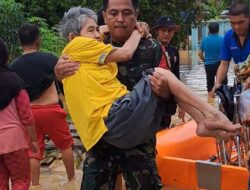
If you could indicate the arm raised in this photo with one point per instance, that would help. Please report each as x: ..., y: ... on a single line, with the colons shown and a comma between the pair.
x: 125, y: 52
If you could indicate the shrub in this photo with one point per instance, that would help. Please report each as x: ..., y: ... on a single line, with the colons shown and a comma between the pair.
x: 51, y: 41
x: 11, y: 17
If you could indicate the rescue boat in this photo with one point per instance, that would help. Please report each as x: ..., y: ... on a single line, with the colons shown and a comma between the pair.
x: 188, y: 162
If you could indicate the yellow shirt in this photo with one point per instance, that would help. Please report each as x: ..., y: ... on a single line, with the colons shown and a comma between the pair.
x: 91, y: 91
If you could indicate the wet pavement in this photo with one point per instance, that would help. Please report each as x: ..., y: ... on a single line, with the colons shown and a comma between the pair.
x: 54, y: 177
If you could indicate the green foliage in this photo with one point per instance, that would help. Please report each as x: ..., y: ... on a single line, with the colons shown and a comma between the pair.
x: 51, y: 41
x: 11, y: 16
x: 185, y: 12
x: 213, y: 9
x: 51, y: 10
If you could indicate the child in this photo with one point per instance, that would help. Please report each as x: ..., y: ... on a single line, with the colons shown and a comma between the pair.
x: 16, y: 121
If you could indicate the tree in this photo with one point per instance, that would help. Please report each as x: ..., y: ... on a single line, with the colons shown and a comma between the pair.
x: 11, y: 17
x: 51, y: 41
x: 51, y: 10
x: 185, y: 12
x: 213, y: 8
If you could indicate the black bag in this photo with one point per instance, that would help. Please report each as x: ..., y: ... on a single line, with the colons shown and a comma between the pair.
x: 226, y: 95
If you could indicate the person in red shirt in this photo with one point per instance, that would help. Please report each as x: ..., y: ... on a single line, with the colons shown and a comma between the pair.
x: 165, y: 28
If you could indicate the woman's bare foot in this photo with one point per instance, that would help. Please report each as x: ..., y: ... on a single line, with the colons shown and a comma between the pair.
x: 217, y: 120
x: 217, y: 125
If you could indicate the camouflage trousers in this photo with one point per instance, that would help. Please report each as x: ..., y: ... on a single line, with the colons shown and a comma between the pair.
x: 103, y: 162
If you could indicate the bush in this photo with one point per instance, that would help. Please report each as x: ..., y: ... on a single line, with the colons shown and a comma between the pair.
x: 51, y: 41
x: 11, y: 17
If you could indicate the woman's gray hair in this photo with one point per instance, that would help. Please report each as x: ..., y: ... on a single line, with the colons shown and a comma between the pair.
x: 74, y: 20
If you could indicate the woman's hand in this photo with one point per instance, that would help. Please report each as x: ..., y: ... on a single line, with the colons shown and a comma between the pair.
x: 143, y: 28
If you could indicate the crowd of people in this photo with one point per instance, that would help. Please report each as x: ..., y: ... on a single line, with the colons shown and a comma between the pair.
x: 108, y: 83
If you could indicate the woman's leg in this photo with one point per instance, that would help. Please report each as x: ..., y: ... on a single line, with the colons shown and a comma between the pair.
x: 19, y: 169
x: 213, y: 118
x: 201, y: 120
x: 4, y: 174
x: 68, y: 161
x: 179, y: 91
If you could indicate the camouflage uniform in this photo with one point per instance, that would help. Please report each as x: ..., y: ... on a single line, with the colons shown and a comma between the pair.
x: 137, y: 164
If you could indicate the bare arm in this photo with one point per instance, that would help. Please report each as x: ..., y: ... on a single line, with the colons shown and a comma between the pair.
x: 220, y: 75
x: 65, y: 67
x: 126, y: 52
x: 142, y: 27
x: 26, y: 117
x: 222, y: 72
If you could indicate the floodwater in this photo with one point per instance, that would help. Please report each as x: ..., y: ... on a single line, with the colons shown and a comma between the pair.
x: 53, y: 177
x: 194, y: 76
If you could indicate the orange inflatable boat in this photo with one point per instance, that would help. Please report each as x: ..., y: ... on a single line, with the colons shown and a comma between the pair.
x: 188, y: 162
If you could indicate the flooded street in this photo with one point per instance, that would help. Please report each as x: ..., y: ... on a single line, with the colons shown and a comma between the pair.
x: 53, y: 177
x: 194, y: 76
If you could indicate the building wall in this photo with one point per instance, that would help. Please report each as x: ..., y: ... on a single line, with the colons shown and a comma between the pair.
x: 201, y: 31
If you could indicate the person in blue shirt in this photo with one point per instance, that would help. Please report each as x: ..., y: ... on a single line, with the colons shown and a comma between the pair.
x: 209, y: 53
x: 236, y: 42
x: 236, y: 46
